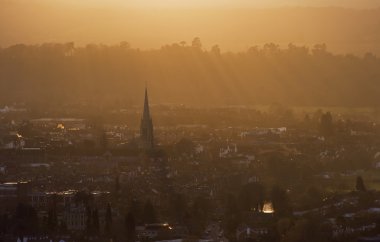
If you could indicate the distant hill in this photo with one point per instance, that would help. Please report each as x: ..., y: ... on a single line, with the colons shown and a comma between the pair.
x: 189, y: 74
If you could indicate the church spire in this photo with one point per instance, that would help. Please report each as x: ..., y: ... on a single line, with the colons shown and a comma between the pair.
x: 146, y: 127
x: 146, y: 114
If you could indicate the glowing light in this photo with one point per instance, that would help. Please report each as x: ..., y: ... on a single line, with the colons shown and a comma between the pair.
x: 268, y: 208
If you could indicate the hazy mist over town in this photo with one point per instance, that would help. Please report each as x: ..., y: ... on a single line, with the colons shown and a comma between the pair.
x: 189, y: 120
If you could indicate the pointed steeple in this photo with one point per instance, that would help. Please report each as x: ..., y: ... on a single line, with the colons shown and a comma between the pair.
x: 146, y: 114
x: 146, y: 127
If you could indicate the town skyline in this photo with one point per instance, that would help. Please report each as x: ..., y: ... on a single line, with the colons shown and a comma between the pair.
x: 189, y: 120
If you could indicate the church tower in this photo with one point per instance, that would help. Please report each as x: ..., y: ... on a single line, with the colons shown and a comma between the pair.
x: 146, y: 127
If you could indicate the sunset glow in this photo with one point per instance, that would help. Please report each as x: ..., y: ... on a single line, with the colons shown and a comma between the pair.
x: 234, y: 25
x: 190, y: 120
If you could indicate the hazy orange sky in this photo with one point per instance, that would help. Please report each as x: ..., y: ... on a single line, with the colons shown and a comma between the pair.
x: 233, y: 24
x: 214, y: 3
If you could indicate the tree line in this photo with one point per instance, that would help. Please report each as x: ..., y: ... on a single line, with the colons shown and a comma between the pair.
x: 187, y: 73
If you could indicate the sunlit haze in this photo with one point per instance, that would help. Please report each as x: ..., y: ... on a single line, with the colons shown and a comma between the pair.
x: 234, y: 25
x: 222, y: 3
x: 190, y: 120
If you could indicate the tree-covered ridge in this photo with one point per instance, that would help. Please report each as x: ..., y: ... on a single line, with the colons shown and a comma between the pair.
x: 187, y: 73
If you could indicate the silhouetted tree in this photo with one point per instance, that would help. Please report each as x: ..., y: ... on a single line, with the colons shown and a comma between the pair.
x: 320, y: 50
x: 290, y: 75
x: 215, y: 50
x: 124, y: 45
x: 196, y: 43
x: 360, y: 184
x: 182, y: 43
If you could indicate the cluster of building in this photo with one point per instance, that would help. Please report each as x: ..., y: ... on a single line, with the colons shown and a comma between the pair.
x: 68, y: 168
